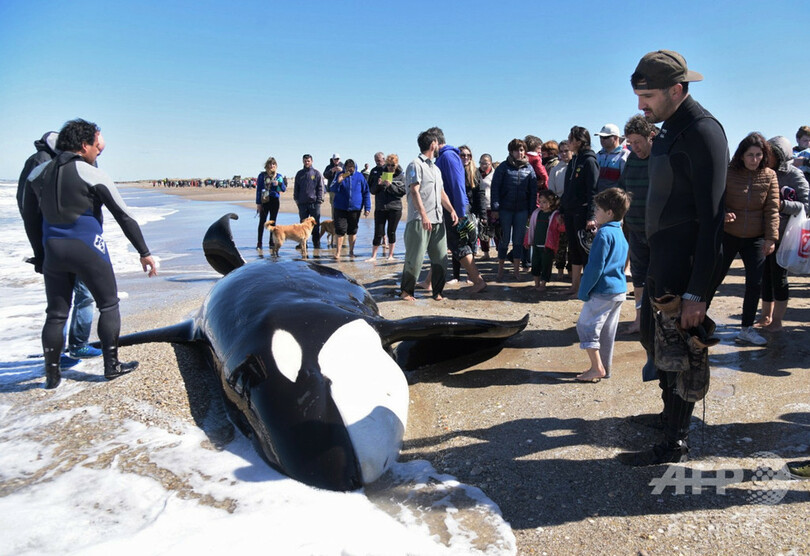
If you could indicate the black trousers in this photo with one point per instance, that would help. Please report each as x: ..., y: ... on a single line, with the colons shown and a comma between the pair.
x: 65, y: 260
x: 269, y: 209
x: 383, y: 218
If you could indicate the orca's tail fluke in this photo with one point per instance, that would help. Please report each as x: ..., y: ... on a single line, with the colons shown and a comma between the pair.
x: 425, y: 341
x: 181, y: 333
x: 219, y: 247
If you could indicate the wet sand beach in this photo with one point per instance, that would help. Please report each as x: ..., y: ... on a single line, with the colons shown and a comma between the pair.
x: 540, y: 445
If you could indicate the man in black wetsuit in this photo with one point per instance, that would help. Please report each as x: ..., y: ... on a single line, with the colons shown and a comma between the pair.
x: 684, y: 225
x: 81, y: 319
x: 63, y: 221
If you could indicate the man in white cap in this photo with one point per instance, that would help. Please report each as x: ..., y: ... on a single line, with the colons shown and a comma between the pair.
x: 611, y: 158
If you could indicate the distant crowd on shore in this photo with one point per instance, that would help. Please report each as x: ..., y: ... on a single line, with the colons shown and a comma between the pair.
x: 236, y: 181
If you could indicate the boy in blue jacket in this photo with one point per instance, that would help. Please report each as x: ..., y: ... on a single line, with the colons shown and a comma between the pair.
x: 603, y: 287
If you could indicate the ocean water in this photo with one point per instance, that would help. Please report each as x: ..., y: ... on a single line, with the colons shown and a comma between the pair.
x: 94, y: 505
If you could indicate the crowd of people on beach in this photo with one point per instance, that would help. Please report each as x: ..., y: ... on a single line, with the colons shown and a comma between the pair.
x: 536, y: 209
x: 666, y: 202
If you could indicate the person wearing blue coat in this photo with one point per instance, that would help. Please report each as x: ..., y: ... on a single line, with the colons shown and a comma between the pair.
x: 603, y: 287
x: 513, y: 197
x: 352, y: 196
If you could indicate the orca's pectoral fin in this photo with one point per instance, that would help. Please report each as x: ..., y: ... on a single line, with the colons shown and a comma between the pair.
x: 219, y: 248
x: 446, y: 327
x: 180, y: 333
x: 455, y: 341
x: 446, y: 355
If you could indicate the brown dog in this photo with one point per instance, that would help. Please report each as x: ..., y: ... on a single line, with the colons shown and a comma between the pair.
x: 296, y: 232
x: 328, y: 229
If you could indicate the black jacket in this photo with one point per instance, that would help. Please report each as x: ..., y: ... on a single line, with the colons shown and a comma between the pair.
x: 580, y: 185
x: 388, y: 198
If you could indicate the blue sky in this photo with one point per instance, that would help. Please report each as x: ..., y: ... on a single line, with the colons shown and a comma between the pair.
x: 206, y: 88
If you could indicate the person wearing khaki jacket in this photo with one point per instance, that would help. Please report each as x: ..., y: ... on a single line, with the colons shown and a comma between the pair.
x: 751, y: 224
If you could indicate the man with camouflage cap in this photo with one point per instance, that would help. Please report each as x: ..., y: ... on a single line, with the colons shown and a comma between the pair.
x: 684, y: 226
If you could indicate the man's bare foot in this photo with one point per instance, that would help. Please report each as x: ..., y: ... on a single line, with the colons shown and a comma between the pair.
x: 438, y: 297
x: 424, y: 286
x: 772, y: 327
x: 391, y: 257
x: 478, y: 288
x: 591, y: 375
x: 371, y: 260
x: 541, y: 287
x: 407, y: 297
x: 351, y: 254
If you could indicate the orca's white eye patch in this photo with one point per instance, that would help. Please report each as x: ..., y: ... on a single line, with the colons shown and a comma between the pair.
x: 287, y: 354
x: 370, y: 392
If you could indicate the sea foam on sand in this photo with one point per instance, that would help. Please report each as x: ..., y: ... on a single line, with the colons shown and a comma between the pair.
x: 72, y: 481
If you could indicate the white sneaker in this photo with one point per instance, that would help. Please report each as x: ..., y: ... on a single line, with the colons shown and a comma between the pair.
x: 748, y: 335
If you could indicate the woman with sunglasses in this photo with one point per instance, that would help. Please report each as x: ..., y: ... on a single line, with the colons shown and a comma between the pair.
x: 388, y: 191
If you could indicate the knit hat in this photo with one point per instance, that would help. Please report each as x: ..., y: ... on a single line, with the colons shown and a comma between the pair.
x: 662, y: 69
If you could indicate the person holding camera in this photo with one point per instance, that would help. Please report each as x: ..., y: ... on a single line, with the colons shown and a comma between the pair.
x: 269, y: 186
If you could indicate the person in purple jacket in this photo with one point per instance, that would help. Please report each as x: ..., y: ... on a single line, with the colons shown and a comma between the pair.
x: 461, y: 237
x: 603, y: 287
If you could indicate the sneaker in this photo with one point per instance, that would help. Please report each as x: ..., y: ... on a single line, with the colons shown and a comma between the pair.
x: 66, y: 362
x: 748, y: 335
x: 85, y: 352
x: 799, y: 469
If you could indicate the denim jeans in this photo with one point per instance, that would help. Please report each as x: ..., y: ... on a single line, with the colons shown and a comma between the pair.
x: 81, y: 319
x: 513, y: 227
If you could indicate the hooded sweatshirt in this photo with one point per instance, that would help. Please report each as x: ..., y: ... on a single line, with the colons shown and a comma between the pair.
x: 46, y: 150
x: 452, y: 169
x: 793, y: 187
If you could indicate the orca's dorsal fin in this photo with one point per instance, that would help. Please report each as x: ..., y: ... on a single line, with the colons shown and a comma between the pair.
x: 219, y: 248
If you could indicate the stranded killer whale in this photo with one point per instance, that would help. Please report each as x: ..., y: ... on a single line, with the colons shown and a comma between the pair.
x: 305, y: 361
